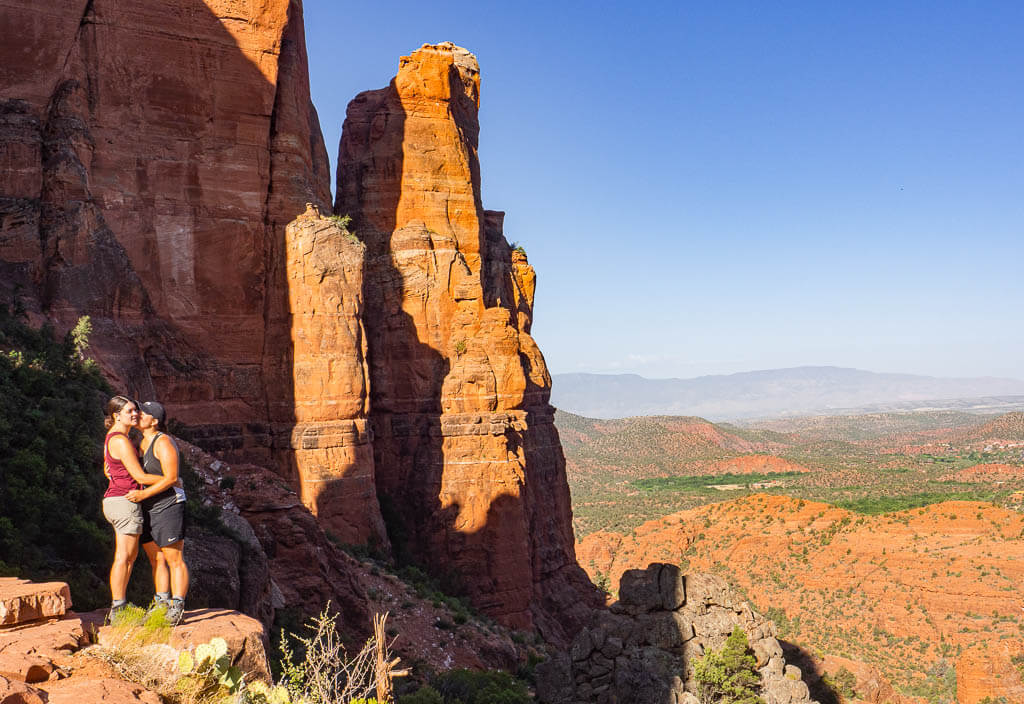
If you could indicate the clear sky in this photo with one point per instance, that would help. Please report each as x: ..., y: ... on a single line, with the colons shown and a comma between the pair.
x: 727, y: 186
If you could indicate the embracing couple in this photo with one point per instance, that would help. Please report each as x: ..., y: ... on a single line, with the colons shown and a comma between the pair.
x: 153, y: 516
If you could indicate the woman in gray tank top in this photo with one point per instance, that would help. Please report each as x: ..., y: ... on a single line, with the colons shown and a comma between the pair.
x: 163, y: 509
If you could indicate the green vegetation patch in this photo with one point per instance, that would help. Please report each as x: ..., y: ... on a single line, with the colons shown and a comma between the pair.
x: 874, y: 505
x: 462, y: 686
x: 705, y: 481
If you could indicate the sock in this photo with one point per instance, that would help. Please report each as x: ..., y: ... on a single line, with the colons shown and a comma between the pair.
x: 118, y: 602
x: 178, y: 600
x: 163, y: 596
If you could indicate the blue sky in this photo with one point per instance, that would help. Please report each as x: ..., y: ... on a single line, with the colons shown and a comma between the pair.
x: 721, y: 187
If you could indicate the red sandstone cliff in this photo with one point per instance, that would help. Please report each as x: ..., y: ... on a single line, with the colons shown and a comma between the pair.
x: 153, y: 155
x: 468, y: 461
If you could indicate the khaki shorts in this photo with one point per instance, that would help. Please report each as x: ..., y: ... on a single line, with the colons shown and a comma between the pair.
x: 124, y: 515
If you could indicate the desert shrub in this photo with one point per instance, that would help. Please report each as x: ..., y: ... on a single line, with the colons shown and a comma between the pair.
x: 479, y: 687
x: 326, y: 674
x: 431, y: 589
x: 424, y: 695
x: 843, y: 683
x: 729, y: 675
x: 137, y: 647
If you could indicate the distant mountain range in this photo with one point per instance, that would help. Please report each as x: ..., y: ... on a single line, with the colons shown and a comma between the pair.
x: 779, y: 392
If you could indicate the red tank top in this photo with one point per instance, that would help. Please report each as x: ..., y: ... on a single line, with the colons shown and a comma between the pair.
x: 121, y: 481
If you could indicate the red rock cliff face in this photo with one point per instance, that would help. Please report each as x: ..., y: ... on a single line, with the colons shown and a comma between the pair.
x: 468, y: 462
x: 152, y: 156
x: 155, y: 153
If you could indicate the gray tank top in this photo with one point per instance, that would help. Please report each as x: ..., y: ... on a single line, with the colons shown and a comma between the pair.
x: 167, y: 497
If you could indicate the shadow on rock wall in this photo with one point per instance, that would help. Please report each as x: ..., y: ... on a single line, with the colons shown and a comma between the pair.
x: 157, y: 152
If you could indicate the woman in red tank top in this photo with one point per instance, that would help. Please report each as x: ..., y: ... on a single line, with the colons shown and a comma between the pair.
x: 121, y: 465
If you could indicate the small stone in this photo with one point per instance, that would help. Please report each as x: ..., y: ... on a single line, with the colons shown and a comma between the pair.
x: 774, y: 667
x: 612, y: 647
x: 765, y: 649
x: 582, y: 647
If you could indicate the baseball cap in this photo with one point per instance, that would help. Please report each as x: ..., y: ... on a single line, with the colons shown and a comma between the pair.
x: 154, y: 409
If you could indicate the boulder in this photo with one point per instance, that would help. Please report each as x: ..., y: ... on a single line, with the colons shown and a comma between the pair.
x: 22, y: 601
x: 245, y: 637
x: 98, y: 691
x: 16, y: 692
x: 640, y: 589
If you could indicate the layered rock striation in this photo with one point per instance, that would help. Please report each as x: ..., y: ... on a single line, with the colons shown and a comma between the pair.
x: 468, y: 462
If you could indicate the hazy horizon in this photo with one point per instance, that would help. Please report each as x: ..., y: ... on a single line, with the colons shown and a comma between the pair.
x: 776, y: 369
x: 780, y: 392
x: 713, y: 189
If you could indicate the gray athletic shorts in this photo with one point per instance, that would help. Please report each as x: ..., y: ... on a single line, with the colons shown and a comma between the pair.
x: 124, y: 515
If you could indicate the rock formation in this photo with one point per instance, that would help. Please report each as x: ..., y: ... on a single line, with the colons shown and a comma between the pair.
x: 153, y: 154
x: 163, y: 172
x: 468, y: 464
x: 991, y: 671
x: 331, y: 452
x: 644, y: 648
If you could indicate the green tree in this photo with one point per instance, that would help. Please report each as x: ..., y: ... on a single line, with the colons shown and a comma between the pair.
x: 51, y: 478
x: 729, y: 675
x: 80, y: 336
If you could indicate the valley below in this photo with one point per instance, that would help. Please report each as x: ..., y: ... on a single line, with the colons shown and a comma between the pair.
x: 888, y: 548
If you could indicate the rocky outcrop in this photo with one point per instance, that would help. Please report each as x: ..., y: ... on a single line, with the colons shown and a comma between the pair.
x: 467, y: 459
x: 644, y: 648
x: 287, y: 559
x: 41, y: 655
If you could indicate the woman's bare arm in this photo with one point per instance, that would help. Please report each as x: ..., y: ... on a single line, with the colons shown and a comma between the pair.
x: 167, y: 453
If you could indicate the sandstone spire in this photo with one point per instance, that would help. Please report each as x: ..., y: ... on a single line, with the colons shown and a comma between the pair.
x: 468, y: 462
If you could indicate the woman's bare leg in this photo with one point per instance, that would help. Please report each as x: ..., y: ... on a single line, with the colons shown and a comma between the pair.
x: 158, y: 563
x: 173, y: 554
x: 126, y: 549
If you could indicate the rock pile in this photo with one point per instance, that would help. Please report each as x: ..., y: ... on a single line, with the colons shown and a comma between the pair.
x: 644, y: 648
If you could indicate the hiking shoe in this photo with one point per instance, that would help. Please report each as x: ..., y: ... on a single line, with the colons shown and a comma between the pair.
x: 175, y: 611
x: 114, y: 612
x: 156, y: 605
